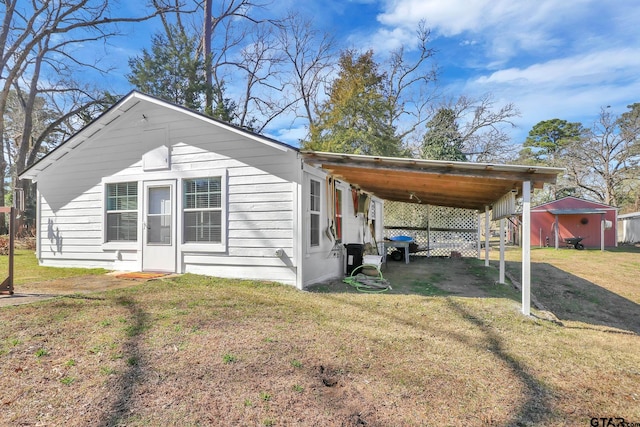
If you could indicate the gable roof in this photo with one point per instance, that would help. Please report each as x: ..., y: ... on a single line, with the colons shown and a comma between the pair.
x: 573, y: 203
x: 119, y: 109
x: 629, y: 215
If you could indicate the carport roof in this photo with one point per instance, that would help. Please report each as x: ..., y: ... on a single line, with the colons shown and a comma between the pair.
x: 436, y: 182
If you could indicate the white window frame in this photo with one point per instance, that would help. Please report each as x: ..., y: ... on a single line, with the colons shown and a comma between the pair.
x: 314, y: 212
x: 186, y: 210
x: 120, y: 244
x: 204, y: 246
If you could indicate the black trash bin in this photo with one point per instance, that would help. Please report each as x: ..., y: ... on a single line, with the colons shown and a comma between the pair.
x: 354, y: 256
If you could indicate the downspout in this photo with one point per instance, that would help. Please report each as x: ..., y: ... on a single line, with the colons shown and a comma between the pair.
x: 298, y: 243
x: 38, y: 224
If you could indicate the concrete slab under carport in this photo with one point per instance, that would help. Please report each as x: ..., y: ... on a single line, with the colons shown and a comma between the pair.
x: 467, y: 185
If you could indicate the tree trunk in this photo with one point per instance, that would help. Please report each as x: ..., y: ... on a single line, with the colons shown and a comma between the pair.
x: 208, y: 108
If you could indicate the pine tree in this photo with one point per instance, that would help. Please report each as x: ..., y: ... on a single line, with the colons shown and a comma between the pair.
x: 171, y: 71
x: 443, y: 140
x: 354, y: 117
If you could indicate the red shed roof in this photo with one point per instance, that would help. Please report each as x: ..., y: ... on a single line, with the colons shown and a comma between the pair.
x: 573, y: 203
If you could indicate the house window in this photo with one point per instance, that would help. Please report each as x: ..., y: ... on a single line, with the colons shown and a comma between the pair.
x: 338, y: 216
x: 122, y: 212
x: 203, y: 210
x: 314, y: 212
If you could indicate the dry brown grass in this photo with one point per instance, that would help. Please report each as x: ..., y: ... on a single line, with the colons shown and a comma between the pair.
x: 202, y: 351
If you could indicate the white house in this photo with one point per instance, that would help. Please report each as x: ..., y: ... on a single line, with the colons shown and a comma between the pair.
x: 151, y: 186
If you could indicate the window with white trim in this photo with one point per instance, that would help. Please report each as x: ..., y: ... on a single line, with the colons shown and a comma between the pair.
x: 202, y: 210
x: 314, y: 212
x: 122, y: 212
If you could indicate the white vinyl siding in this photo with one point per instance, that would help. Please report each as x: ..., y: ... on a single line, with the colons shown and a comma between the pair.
x: 257, y: 207
x: 122, y: 212
x: 203, y: 210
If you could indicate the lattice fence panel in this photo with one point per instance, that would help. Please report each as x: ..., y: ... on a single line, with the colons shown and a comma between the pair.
x: 438, y: 228
x: 453, y: 229
x: 407, y: 219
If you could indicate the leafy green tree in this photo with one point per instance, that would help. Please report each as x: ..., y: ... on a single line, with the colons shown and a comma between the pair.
x: 354, y: 119
x: 547, y: 144
x: 171, y: 70
x: 548, y: 140
x: 443, y: 140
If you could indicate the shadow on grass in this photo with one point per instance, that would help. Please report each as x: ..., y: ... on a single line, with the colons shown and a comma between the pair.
x: 83, y: 296
x: 567, y: 296
x: 536, y: 407
x: 572, y: 298
x: 127, y: 380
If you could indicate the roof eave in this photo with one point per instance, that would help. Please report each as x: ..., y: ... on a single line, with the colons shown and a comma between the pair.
x: 128, y: 102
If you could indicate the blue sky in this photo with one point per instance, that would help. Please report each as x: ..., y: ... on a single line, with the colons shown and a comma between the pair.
x: 551, y: 58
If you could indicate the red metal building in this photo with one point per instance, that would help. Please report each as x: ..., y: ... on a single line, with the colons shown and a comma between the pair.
x: 553, y: 222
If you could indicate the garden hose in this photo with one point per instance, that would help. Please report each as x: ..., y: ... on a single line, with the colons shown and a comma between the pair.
x: 368, y: 284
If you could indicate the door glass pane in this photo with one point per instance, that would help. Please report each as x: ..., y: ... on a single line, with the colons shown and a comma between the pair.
x: 159, y: 216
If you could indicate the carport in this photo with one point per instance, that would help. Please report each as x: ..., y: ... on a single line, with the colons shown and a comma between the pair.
x: 480, y: 186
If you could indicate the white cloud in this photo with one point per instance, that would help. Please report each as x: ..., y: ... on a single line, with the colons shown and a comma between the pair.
x: 551, y: 58
x: 588, y: 69
x: 505, y: 26
x: 385, y: 40
x: 445, y: 16
x: 291, y: 135
x: 572, y: 88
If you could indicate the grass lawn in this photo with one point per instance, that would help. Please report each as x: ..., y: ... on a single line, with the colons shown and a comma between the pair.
x: 27, y: 270
x: 194, y: 351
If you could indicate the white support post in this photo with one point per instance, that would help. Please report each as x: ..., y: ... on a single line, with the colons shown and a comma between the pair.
x: 556, y: 226
x: 540, y: 238
x: 502, y: 237
x: 486, y: 236
x: 479, y: 229
x: 602, y: 226
x: 526, y: 248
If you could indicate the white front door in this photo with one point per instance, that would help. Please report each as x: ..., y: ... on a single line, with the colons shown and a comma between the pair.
x: 159, y: 226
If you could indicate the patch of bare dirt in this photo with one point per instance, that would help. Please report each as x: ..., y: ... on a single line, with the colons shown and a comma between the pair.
x: 465, y: 277
x: 39, y: 291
